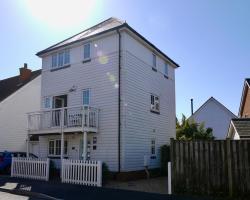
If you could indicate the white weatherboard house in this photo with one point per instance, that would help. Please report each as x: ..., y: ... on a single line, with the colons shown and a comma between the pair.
x: 18, y: 95
x: 216, y: 116
x: 107, y: 94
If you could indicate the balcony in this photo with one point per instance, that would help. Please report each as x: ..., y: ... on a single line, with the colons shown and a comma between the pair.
x: 66, y: 119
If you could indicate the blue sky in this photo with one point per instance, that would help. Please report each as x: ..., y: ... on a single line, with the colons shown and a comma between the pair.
x: 209, y: 39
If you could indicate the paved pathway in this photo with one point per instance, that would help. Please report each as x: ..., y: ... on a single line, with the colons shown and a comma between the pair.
x: 152, y: 185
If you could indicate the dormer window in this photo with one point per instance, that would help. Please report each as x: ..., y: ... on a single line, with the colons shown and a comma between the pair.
x: 61, y: 59
x: 86, y: 51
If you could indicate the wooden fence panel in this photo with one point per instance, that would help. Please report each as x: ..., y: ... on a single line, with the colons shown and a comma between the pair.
x: 216, y: 166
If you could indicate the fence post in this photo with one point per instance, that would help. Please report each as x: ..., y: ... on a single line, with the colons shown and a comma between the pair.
x: 47, y: 170
x: 99, y: 173
x: 172, y: 163
x: 12, y: 166
x: 229, y: 167
x: 169, y: 179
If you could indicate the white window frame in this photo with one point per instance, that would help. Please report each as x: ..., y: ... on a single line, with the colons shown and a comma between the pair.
x: 87, y: 89
x: 64, y: 64
x: 88, y: 58
x: 153, y: 146
x: 49, y: 98
x: 55, y: 148
x: 154, y: 60
x: 155, y: 103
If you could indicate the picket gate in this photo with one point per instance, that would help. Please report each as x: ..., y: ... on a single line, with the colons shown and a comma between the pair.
x: 82, y: 172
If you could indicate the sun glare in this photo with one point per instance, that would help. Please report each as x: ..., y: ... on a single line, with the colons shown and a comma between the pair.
x: 60, y: 14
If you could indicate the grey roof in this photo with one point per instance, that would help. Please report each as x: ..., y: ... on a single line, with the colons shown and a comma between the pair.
x: 110, y: 24
x: 242, y: 126
x: 98, y: 28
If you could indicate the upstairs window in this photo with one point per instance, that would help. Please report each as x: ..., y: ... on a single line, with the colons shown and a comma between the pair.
x: 86, y: 51
x: 166, y: 69
x: 66, y: 57
x: 54, y: 60
x: 86, y: 97
x: 61, y: 59
x: 155, y: 104
x: 154, y: 61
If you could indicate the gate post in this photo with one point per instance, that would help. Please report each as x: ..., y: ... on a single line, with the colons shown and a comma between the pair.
x: 229, y: 168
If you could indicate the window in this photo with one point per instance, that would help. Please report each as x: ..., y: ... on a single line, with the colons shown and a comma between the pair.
x: 54, y: 60
x: 51, y: 147
x: 55, y: 147
x: 66, y: 57
x: 86, y: 51
x: 166, y: 69
x: 86, y: 97
x: 94, y: 143
x: 61, y: 59
x: 155, y: 104
x: 153, y: 150
x: 47, y: 102
x: 154, y: 61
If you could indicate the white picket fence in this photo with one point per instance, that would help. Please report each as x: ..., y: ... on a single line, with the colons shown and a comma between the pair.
x: 31, y: 168
x: 82, y: 172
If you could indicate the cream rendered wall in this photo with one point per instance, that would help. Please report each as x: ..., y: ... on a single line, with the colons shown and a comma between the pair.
x: 13, y: 115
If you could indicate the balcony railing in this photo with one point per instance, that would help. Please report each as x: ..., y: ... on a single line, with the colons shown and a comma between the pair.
x: 82, y: 118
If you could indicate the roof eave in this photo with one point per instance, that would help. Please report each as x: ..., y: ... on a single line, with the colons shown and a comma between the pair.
x: 124, y: 25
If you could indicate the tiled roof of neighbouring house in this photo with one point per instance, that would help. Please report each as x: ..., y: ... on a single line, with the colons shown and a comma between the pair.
x: 110, y: 24
x: 242, y: 126
x: 10, y: 85
x: 248, y: 81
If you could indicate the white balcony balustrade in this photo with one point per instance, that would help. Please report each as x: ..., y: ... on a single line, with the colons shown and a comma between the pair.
x: 71, y: 119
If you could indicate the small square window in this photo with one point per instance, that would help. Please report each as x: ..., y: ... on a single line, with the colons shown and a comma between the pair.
x: 86, y: 51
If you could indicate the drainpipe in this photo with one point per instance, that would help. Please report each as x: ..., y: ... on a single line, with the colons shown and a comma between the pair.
x: 119, y: 101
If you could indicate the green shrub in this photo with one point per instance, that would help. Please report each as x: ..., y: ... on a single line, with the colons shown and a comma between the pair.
x: 165, y: 158
x: 105, y: 172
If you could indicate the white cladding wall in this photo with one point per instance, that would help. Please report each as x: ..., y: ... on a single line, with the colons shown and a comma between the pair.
x: 216, y: 117
x: 139, y: 125
x: 100, y: 75
x: 13, y: 115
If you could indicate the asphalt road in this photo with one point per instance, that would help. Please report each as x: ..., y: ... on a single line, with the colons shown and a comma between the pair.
x: 36, y: 190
